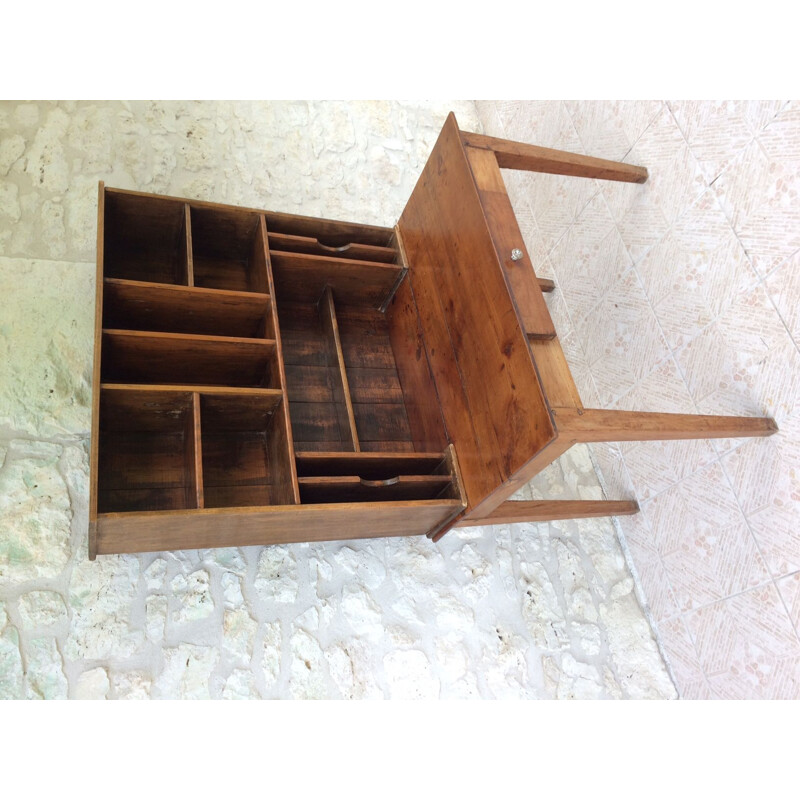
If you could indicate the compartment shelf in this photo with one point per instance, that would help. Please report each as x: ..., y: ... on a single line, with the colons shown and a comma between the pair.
x: 145, y: 238
x: 165, y: 308
x: 246, y: 460
x: 228, y: 249
x: 143, y: 357
x: 148, y: 452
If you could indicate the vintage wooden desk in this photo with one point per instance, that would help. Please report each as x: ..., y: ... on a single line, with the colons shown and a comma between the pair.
x: 263, y: 378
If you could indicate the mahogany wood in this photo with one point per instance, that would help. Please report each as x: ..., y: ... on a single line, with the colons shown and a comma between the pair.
x: 545, y: 510
x: 527, y: 296
x: 493, y: 406
x: 516, y: 155
x: 601, y: 425
x: 266, y: 378
x: 340, y: 387
x: 167, y: 308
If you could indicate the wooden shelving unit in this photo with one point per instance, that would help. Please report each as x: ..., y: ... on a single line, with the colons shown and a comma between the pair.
x: 237, y: 350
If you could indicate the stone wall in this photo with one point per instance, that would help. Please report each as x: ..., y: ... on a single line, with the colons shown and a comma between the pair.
x: 534, y: 611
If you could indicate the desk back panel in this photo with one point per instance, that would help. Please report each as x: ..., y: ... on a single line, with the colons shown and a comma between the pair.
x: 491, y: 399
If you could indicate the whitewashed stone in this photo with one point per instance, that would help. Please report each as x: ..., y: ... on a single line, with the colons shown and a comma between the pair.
x: 409, y: 676
x: 363, y: 564
x: 505, y: 666
x: 240, y: 685
x: 156, y: 574
x: 307, y: 678
x: 46, y: 354
x: 92, y: 685
x: 276, y: 578
x: 26, y: 115
x: 271, y: 652
x: 238, y: 632
x: 232, y: 589
x: 155, y: 617
x: 44, y: 677
x: 10, y: 665
x: 101, y: 595
x: 351, y: 666
x: 36, y: 513
x: 11, y: 148
x: 42, y: 609
x: 192, y: 594
x: 541, y: 609
x: 634, y: 650
x: 579, y: 680
x: 187, y: 673
x: 361, y: 611
x: 134, y: 685
x: 46, y: 163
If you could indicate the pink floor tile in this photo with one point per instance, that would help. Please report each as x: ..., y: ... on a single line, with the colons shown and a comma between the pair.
x: 748, y: 647
x: 683, y: 660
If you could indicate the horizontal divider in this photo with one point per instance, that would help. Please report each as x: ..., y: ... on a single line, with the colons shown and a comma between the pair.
x: 352, y: 488
x: 167, y: 308
x: 302, y: 278
x: 287, y: 243
x: 271, y: 398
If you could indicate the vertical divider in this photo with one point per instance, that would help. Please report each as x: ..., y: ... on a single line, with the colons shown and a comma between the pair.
x: 341, y: 387
x: 286, y: 488
x: 188, y: 245
x: 194, y: 454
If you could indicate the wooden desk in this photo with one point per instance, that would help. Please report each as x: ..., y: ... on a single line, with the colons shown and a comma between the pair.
x: 264, y: 378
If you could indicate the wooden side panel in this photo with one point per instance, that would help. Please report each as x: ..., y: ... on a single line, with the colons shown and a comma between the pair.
x: 220, y: 527
x: 491, y: 399
x: 98, y: 341
x: 520, y: 276
x: 411, y: 357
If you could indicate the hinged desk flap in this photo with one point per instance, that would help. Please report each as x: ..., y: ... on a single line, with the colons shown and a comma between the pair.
x: 490, y: 396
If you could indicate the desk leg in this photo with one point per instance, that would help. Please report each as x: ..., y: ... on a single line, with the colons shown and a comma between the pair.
x: 600, y: 425
x: 546, y: 510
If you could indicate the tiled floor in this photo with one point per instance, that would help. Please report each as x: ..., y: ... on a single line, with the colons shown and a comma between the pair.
x: 683, y: 294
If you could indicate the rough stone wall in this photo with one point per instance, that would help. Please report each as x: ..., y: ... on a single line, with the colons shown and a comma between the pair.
x: 533, y: 611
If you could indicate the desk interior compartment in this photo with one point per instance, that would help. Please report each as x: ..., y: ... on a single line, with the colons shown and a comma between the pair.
x: 377, y: 477
x: 162, y: 308
x: 147, y: 451
x: 228, y: 249
x: 166, y: 358
x: 246, y: 456
x: 145, y: 238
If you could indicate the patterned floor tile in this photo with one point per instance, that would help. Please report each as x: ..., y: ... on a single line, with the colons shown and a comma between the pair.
x: 609, y: 129
x: 748, y: 647
x: 789, y: 589
x: 621, y: 338
x: 590, y: 258
x: 645, y: 212
x: 783, y: 287
x: 695, y: 271
x: 758, y: 192
x: 717, y: 131
x: 703, y: 539
x: 683, y: 660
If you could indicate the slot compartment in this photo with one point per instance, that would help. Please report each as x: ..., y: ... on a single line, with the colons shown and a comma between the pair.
x: 166, y: 358
x: 145, y: 238
x: 354, y: 489
x: 163, y: 308
x: 147, y: 451
x: 246, y: 458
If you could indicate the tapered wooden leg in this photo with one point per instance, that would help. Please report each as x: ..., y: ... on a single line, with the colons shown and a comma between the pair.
x: 547, y: 510
x: 600, y: 425
x: 517, y: 155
